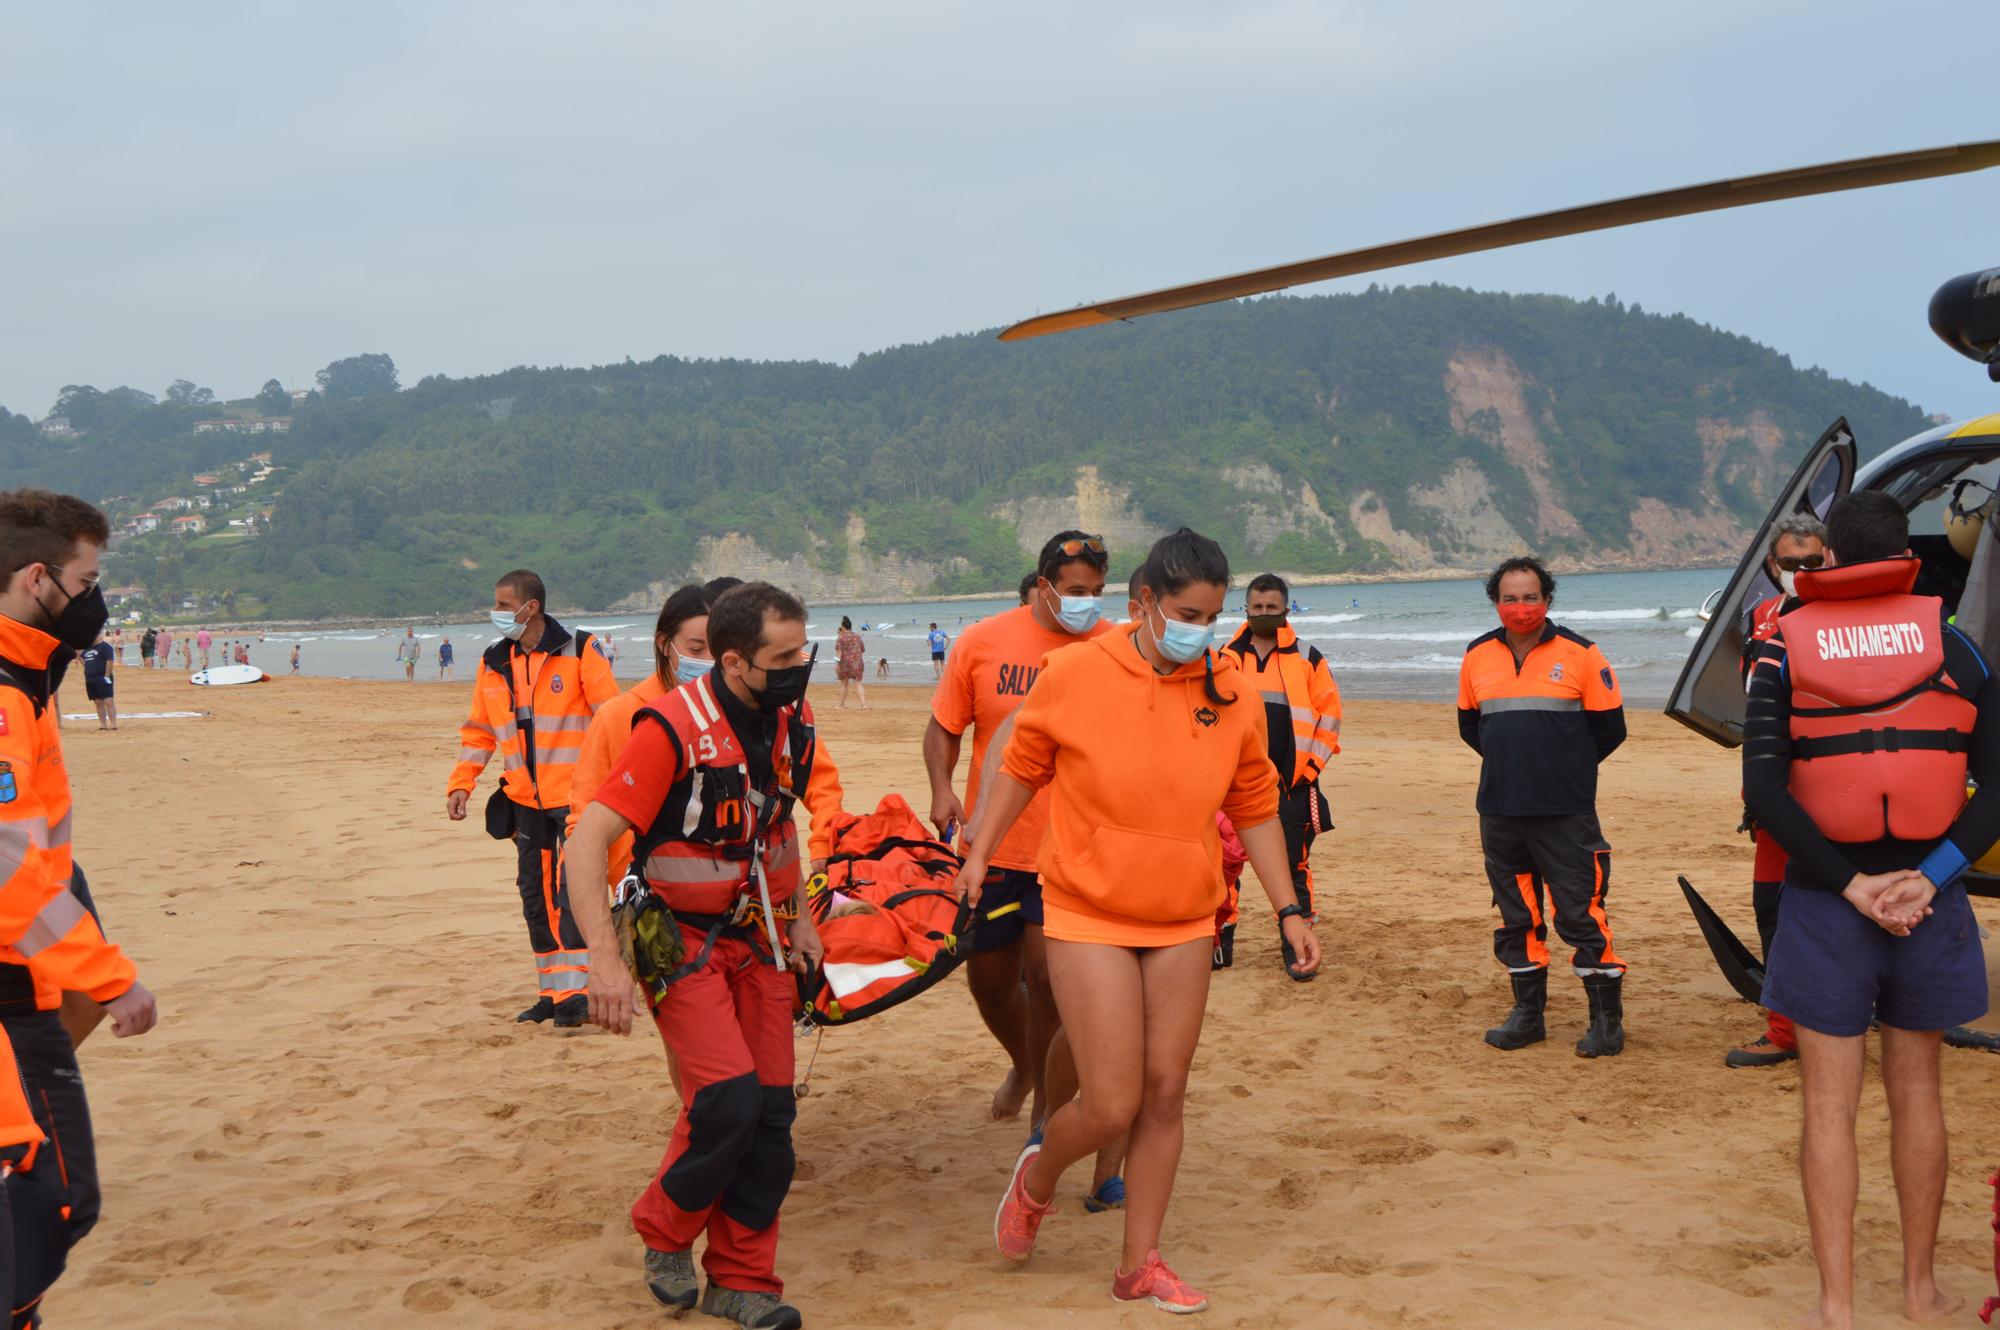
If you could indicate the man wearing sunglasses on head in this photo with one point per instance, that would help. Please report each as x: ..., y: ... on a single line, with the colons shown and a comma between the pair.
x: 1798, y: 545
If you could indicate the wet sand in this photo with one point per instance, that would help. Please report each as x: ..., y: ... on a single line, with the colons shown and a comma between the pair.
x: 338, y: 1123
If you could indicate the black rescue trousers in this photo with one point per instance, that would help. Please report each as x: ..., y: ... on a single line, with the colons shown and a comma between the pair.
x: 562, y: 961
x: 1566, y: 855
x: 55, y: 1203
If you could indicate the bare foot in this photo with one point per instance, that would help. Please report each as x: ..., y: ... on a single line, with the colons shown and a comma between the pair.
x: 1823, y: 1317
x: 1924, y: 1305
x: 1013, y: 1093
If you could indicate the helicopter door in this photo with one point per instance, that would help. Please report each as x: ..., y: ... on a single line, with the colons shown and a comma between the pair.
x: 1708, y: 697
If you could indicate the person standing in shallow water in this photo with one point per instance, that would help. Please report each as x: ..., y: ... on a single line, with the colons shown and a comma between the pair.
x: 1541, y: 707
x: 850, y: 663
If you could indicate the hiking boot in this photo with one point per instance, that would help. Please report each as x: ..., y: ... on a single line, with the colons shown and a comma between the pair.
x: 1225, y: 948
x: 571, y: 1012
x: 1759, y: 1052
x: 544, y: 1009
x: 1153, y: 1282
x: 1020, y: 1215
x: 1523, y: 1025
x: 1606, y: 1038
x: 670, y: 1279
x: 753, y: 1311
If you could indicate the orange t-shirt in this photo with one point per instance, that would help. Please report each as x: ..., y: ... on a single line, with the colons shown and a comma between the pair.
x: 986, y: 678
x: 1141, y: 763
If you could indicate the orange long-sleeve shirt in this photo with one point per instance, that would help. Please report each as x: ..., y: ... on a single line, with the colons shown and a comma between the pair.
x: 555, y: 690
x: 605, y: 740
x: 1140, y: 764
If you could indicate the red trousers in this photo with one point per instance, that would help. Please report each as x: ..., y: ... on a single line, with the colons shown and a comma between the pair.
x: 1767, y: 880
x: 729, y: 1164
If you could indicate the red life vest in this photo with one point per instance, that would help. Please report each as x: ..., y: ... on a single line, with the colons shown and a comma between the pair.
x: 696, y: 856
x: 1879, y: 729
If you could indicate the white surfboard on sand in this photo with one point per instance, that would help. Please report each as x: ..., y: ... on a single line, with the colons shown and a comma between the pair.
x: 221, y: 676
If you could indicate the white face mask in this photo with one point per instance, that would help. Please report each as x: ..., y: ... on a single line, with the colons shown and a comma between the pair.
x: 1789, y: 582
x: 503, y: 622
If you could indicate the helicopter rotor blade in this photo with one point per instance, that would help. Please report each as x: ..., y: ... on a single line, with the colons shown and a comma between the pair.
x: 1833, y: 177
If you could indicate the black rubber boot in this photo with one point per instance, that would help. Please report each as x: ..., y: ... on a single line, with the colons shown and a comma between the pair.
x: 1523, y: 1025
x: 1607, y: 1017
x: 572, y: 1011
x: 543, y: 1009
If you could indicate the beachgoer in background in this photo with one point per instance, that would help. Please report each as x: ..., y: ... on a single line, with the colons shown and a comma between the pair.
x: 50, y: 559
x: 1027, y: 590
x: 149, y: 642
x: 242, y: 653
x: 203, y: 640
x: 533, y: 695
x: 407, y: 652
x: 1540, y: 706
x: 1873, y: 923
x: 444, y: 659
x: 727, y: 1024
x: 1800, y: 545
x: 882, y: 668
x: 187, y: 656
x: 985, y: 681
x: 1131, y: 881
x: 850, y: 659
x: 939, y: 642
x: 1302, y: 727
x: 99, y: 682
x: 295, y: 658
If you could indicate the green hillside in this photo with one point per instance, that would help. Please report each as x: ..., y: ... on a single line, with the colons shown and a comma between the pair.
x: 1389, y: 430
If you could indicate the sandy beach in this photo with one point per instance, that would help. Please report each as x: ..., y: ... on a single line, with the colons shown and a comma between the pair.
x: 338, y: 1123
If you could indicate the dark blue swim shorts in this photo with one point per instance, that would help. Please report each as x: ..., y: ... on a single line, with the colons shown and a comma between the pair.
x: 1832, y: 969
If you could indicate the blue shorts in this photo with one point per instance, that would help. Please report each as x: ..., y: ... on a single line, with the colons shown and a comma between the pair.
x: 1009, y: 901
x: 1834, y: 970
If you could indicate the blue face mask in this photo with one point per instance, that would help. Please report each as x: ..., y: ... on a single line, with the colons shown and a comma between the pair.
x: 1182, y: 642
x: 503, y: 622
x: 1079, y: 614
x: 687, y: 669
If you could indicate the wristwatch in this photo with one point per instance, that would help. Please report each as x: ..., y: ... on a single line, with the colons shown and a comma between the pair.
x: 1291, y: 910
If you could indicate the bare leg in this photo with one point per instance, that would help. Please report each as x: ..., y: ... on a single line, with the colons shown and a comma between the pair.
x: 1044, y: 1020
x: 995, y: 980
x: 111, y: 710
x: 1831, y: 1091
x: 1103, y: 1007
x: 1917, y: 1151
x: 1176, y: 986
x: 1062, y: 1087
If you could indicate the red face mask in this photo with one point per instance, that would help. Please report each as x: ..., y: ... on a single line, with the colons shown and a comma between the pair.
x: 1524, y: 620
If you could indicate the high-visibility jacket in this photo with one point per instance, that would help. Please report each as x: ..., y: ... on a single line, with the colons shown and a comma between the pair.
x: 533, y: 707
x: 1879, y: 729
x: 697, y: 854
x: 1301, y: 703
x: 1540, y: 724
x: 605, y: 740
x: 48, y: 941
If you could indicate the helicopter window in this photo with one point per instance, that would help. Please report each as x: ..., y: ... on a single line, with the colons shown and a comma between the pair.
x: 1927, y: 491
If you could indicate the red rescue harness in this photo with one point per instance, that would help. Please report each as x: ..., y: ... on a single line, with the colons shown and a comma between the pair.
x: 1879, y: 731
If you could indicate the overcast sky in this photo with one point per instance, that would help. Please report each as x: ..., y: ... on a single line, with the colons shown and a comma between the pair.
x: 229, y: 193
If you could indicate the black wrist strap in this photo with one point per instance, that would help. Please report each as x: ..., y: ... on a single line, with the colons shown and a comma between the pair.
x: 1291, y: 911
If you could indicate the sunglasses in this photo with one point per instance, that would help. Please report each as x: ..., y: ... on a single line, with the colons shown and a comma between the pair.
x: 1794, y: 565
x: 1071, y: 549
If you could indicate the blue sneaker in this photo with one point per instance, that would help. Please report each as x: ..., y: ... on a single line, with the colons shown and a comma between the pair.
x: 1111, y: 1196
x: 1035, y: 1136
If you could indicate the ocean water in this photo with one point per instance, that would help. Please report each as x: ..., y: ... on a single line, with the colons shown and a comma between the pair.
x: 1385, y: 640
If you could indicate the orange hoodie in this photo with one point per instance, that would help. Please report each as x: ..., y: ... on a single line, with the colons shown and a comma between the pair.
x: 1140, y: 763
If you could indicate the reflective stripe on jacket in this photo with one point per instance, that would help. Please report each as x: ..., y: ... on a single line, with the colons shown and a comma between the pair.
x: 48, y: 941
x: 536, y: 725
x: 1301, y: 703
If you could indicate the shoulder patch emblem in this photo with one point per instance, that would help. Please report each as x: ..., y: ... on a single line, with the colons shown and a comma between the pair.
x: 1206, y: 715
x: 1605, y: 674
x: 10, y: 789
x: 597, y: 645
x: 1557, y: 672
x: 555, y: 684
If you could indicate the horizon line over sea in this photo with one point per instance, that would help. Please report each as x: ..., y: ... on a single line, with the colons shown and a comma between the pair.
x: 1396, y: 640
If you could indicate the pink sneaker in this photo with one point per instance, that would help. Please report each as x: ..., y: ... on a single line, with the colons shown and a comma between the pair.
x: 1020, y: 1215
x: 1153, y: 1282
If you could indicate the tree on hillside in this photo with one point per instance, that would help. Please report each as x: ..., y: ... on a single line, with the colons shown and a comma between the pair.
x: 182, y: 392
x: 358, y: 376
x: 273, y: 400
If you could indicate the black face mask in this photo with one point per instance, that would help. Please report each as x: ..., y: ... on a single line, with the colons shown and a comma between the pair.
x: 784, y: 687
x: 81, y: 621
x: 1265, y: 625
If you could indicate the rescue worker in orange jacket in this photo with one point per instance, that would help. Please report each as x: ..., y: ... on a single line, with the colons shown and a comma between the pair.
x: 1799, y: 546
x: 50, y: 548
x: 1540, y: 706
x: 533, y: 696
x: 1302, y: 727
x: 1868, y: 712
x: 680, y: 655
x: 708, y: 782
